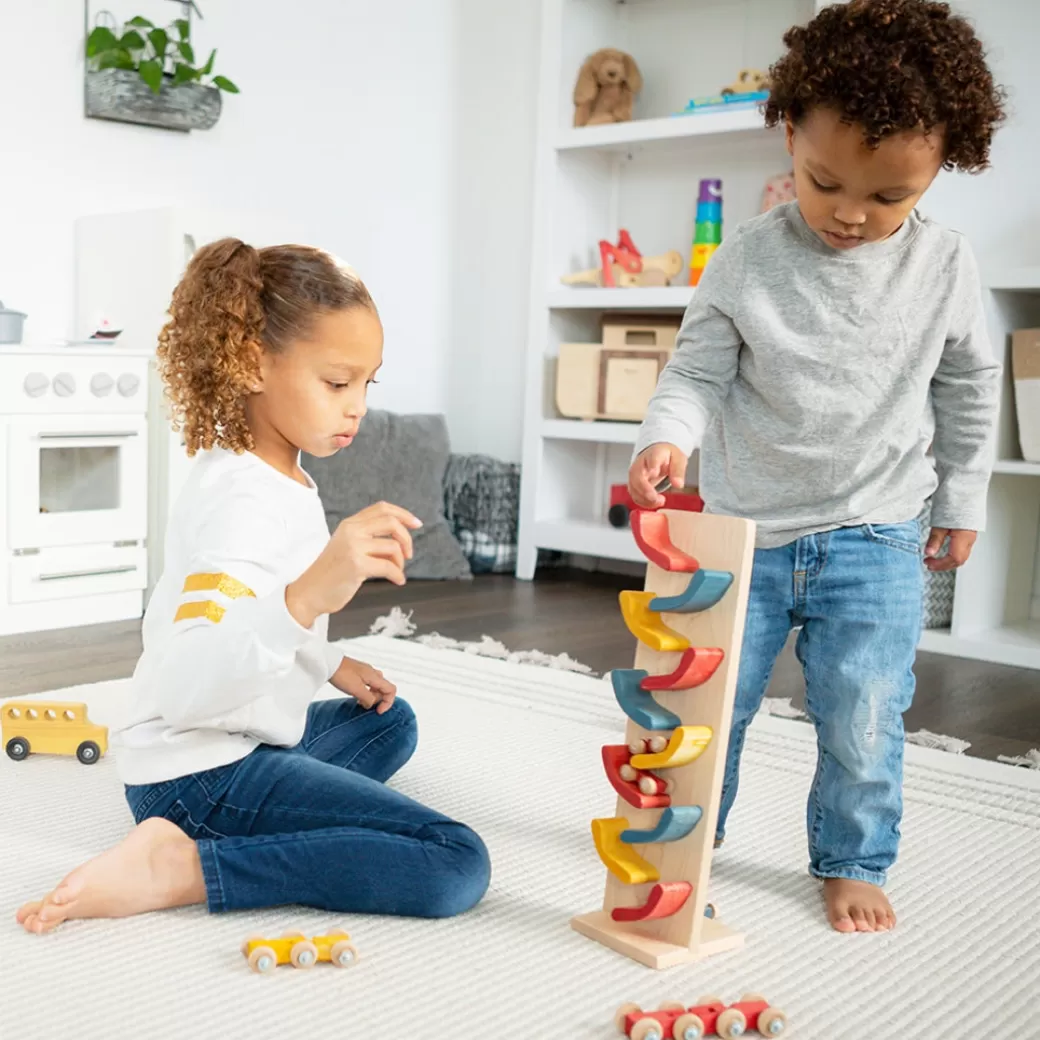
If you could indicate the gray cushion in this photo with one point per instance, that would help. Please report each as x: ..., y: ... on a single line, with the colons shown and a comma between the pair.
x: 399, y: 459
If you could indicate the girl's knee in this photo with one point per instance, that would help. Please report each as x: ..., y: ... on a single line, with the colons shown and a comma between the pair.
x: 465, y: 877
x: 402, y: 719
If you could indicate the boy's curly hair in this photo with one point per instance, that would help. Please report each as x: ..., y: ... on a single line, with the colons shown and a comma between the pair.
x: 892, y: 65
x: 233, y: 302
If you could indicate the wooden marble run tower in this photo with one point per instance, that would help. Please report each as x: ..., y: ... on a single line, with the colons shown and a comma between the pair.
x: 679, y: 701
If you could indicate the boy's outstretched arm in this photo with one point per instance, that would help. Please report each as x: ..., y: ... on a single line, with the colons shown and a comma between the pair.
x: 697, y: 378
x: 966, y: 402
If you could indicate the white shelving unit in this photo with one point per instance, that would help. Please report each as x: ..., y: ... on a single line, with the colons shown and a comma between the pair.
x: 996, y: 606
x: 643, y: 176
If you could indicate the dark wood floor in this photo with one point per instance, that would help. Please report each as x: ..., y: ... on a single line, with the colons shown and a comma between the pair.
x: 995, y: 707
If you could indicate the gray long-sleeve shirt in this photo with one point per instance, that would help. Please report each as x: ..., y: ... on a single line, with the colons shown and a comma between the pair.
x: 815, y: 380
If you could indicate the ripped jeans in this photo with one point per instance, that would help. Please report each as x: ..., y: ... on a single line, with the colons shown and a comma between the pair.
x: 857, y: 594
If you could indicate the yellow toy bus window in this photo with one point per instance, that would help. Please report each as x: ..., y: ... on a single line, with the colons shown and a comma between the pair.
x: 14, y: 713
x: 70, y: 715
x: 31, y: 713
x: 50, y: 714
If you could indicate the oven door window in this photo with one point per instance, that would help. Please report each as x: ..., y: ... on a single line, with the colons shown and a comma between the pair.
x: 76, y: 479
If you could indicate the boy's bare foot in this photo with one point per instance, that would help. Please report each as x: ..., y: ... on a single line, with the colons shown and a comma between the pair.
x: 857, y: 906
x: 155, y: 867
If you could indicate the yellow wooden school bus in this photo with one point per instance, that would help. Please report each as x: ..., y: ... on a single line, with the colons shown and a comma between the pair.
x: 51, y: 728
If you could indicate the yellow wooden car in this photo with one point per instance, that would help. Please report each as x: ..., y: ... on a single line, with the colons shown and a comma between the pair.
x: 295, y: 948
x: 51, y: 728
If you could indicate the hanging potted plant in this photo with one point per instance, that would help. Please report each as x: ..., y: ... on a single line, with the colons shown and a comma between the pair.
x: 145, y: 74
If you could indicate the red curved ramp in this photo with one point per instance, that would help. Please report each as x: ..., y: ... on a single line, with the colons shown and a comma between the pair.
x: 665, y: 899
x: 614, y: 757
x: 655, y: 542
x: 697, y: 666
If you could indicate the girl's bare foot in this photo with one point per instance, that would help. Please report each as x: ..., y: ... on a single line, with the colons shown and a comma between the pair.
x: 155, y: 867
x: 857, y: 906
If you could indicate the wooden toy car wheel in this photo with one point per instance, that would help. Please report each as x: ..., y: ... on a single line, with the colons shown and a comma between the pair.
x: 772, y: 1022
x: 673, y: 1005
x: 338, y: 933
x: 18, y: 749
x: 344, y: 954
x: 263, y: 959
x: 88, y: 752
x: 647, y: 1029
x: 731, y: 1023
x: 709, y: 999
x: 752, y: 998
x: 688, y: 1027
x: 622, y: 1013
x: 254, y: 937
x: 304, y: 954
x: 293, y: 935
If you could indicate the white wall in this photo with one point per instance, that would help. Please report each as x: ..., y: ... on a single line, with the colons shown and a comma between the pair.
x: 346, y: 124
x: 496, y: 81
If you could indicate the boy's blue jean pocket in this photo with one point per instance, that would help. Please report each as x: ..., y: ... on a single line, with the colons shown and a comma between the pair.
x: 857, y: 594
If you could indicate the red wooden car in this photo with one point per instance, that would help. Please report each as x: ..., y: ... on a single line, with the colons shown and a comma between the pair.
x: 621, y: 503
x: 709, y: 1016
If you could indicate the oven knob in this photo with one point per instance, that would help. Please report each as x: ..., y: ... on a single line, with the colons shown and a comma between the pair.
x: 128, y: 384
x: 64, y: 384
x: 36, y: 384
x: 101, y: 385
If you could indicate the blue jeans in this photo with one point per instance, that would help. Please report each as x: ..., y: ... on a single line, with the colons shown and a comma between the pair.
x: 316, y: 826
x: 857, y: 594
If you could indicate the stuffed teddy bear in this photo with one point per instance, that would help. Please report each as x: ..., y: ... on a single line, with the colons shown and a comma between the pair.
x: 606, y: 88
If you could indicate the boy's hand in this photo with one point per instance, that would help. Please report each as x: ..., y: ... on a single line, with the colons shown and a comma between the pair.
x: 650, y: 467
x: 365, y: 684
x: 961, y: 544
x: 371, y: 544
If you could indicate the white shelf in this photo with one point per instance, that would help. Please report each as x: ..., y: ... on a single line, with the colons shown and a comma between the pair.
x: 1017, y: 466
x: 597, y: 432
x: 1016, y: 645
x: 670, y: 297
x: 589, y: 538
x: 621, y: 137
x: 1016, y: 279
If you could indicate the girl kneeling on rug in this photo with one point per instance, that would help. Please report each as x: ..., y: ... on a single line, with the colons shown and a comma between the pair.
x: 246, y: 792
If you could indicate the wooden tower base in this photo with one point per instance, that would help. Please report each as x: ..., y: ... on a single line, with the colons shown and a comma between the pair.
x: 655, y: 953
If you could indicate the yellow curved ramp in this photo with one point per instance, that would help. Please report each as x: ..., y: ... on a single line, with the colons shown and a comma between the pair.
x: 620, y: 859
x: 687, y: 744
x: 646, y: 625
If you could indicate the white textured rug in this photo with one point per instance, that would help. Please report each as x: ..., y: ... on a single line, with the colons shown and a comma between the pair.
x: 513, y: 750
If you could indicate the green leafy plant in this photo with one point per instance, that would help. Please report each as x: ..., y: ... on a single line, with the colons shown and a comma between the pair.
x: 153, y: 53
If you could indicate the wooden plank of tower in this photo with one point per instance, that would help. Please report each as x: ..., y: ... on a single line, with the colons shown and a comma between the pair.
x: 718, y: 543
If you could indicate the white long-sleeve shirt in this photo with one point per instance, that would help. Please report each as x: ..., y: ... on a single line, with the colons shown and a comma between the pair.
x: 225, y: 666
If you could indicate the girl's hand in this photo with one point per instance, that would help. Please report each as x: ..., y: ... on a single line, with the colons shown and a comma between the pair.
x: 365, y: 684
x: 650, y: 467
x: 961, y: 544
x: 372, y: 544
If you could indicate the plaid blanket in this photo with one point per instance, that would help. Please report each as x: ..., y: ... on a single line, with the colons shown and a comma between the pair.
x: 482, y: 506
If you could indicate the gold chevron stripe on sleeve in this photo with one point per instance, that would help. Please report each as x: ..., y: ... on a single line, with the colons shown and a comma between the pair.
x: 204, y: 608
x: 222, y: 583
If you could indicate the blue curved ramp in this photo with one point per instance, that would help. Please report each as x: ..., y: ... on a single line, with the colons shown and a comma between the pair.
x: 638, y: 704
x: 675, y: 823
x: 705, y: 589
